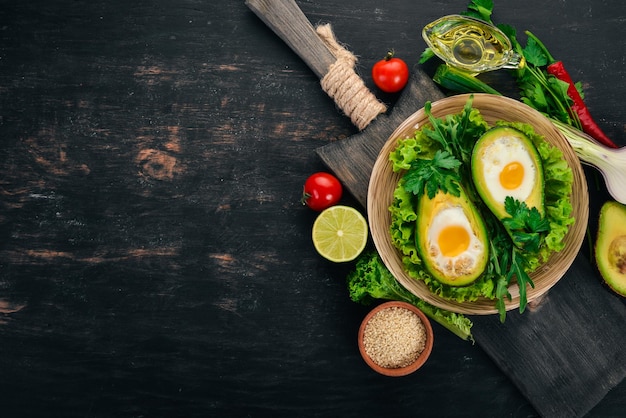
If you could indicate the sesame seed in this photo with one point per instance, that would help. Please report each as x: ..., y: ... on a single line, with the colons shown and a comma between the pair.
x: 394, y: 337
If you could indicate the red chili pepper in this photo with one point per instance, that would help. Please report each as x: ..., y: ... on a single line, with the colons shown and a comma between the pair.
x: 579, y: 107
x: 588, y: 124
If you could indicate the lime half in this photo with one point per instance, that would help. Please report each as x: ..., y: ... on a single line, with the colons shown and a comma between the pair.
x: 340, y: 233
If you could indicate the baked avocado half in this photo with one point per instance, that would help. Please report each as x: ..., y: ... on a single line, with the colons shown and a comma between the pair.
x: 451, y: 238
x: 610, y: 249
x: 505, y: 163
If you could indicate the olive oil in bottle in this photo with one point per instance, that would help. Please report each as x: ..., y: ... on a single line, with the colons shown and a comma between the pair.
x: 470, y: 44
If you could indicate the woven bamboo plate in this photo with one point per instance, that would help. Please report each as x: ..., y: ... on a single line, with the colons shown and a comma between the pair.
x: 383, y: 181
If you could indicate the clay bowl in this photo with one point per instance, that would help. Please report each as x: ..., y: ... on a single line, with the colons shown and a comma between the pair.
x: 396, y: 320
x: 383, y: 181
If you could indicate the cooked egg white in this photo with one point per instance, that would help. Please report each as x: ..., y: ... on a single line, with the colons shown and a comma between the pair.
x: 508, y: 169
x: 453, y: 245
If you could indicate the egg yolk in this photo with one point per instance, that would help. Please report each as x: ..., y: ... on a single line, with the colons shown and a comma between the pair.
x: 453, y: 240
x: 512, y: 175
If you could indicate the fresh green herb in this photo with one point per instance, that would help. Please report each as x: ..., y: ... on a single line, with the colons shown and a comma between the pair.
x: 502, y: 293
x: 456, y: 133
x: 525, y: 225
x: 371, y: 280
x: 518, y: 273
x: 508, y: 265
x: 455, y: 137
x: 480, y: 9
x: 439, y: 173
x: 499, y: 256
x: 534, y: 53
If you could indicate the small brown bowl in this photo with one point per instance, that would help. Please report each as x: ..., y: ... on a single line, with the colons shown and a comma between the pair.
x: 383, y: 360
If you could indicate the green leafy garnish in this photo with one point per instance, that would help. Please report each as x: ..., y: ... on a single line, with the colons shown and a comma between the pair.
x: 438, y: 173
x: 534, y: 53
x: 371, y: 280
x: 456, y: 133
x: 525, y: 225
x: 502, y: 293
x: 519, y: 273
x: 480, y: 9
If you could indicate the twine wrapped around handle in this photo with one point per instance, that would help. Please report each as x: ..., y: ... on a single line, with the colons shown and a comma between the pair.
x: 344, y: 85
x: 332, y: 63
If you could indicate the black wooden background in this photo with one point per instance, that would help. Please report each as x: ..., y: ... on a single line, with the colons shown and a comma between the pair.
x: 154, y: 257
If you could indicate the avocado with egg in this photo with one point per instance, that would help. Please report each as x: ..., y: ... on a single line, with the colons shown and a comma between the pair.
x: 451, y: 238
x: 505, y: 163
x: 610, y: 249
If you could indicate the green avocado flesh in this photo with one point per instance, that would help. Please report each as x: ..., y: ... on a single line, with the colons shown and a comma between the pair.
x: 610, y: 247
x: 505, y: 163
x: 451, y: 238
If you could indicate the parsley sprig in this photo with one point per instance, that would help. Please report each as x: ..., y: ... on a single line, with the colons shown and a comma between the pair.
x: 439, y: 173
x: 525, y: 224
x: 446, y: 170
x: 538, y: 90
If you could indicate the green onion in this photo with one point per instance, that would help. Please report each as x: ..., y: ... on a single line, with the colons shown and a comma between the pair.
x: 461, y: 81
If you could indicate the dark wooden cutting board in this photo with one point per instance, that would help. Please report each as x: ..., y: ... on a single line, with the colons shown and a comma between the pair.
x: 564, y: 355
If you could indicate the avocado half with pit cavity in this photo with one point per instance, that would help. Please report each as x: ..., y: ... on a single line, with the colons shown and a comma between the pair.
x: 505, y: 163
x: 451, y: 238
x: 611, y: 246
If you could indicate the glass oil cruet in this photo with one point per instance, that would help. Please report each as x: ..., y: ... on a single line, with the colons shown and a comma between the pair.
x: 471, y: 44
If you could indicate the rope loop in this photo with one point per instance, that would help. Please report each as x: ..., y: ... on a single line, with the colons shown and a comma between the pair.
x: 344, y: 85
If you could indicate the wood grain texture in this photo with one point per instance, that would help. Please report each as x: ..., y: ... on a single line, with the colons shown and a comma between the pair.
x: 286, y: 19
x: 155, y: 259
x: 567, y: 364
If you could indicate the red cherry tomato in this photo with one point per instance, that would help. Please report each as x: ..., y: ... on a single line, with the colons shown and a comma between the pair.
x: 321, y: 190
x: 390, y: 74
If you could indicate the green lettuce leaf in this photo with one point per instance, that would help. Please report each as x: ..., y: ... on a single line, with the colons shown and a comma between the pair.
x: 371, y: 280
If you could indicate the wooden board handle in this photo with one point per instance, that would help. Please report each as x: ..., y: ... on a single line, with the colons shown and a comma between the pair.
x: 286, y: 19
